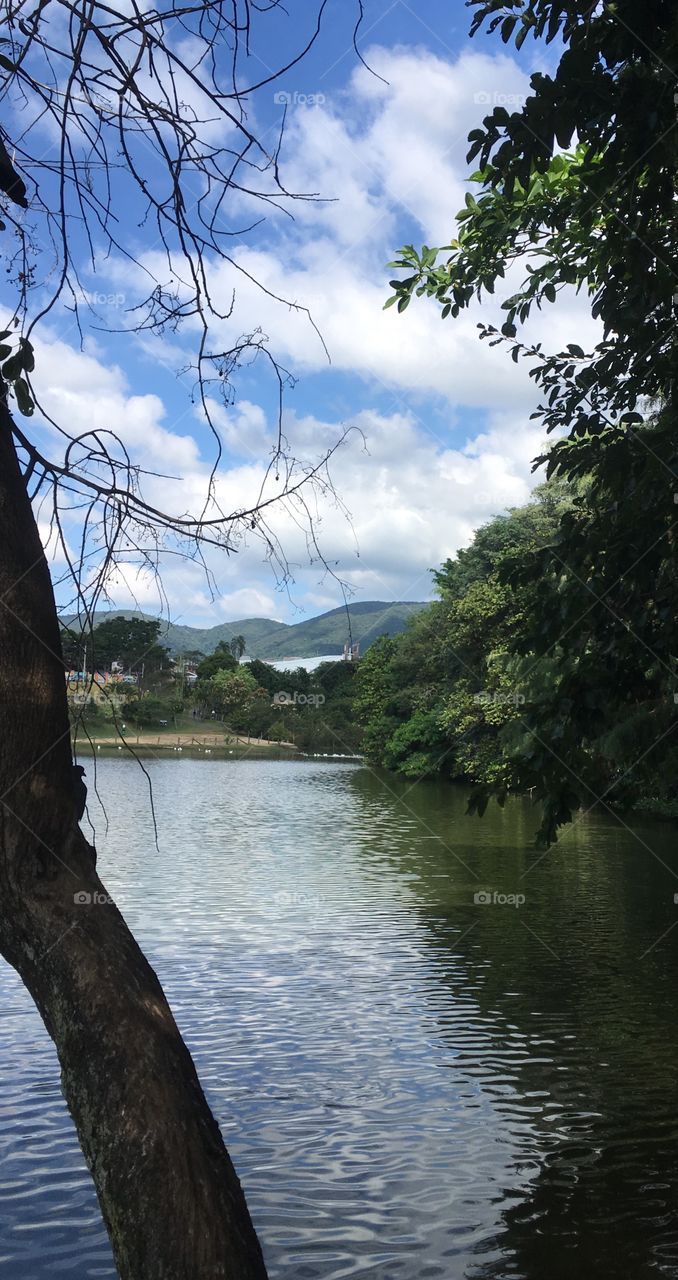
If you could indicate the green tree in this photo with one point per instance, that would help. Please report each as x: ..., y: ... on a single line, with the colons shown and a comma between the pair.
x: 221, y: 660
x: 133, y: 642
x: 238, y: 647
x: 599, y: 218
x: 374, y: 690
x: 147, y: 711
x: 233, y: 694
x: 265, y: 675
x: 441, y: 697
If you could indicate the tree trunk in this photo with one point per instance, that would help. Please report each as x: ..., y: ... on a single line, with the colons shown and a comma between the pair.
x: 169, y: 1195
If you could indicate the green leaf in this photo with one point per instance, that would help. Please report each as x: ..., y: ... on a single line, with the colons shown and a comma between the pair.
x: 23, y: 397
x: 13, y: 367
x: 27, y: 354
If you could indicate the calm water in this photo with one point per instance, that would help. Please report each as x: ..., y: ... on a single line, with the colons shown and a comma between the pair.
x: 411, y: 1084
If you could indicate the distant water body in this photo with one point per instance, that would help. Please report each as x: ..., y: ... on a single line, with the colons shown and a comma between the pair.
x: 432, y: 1052
x: 292, y: 664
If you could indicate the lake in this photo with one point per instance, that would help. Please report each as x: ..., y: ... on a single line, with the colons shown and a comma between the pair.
x: 411, y: 1083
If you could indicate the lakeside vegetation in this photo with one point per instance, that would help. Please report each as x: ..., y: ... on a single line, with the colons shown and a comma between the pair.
x: 215, y: 697
x: 513, y: 680
x: 509, y: 680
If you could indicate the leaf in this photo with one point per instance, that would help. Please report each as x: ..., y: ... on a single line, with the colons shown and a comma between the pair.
x: 522, y: 36
x: 12, y: 368
x: 27, y: 354
x: 23, y: 397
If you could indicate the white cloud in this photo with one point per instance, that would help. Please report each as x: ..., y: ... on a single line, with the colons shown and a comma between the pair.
x: 394, y: 157
x: 390, y: 161
x: 82, y: 392
x: 412, y: 499
x: 185, y: 597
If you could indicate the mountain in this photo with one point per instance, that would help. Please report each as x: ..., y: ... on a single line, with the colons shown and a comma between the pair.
x: 326, y: 635
x: 323, y: 636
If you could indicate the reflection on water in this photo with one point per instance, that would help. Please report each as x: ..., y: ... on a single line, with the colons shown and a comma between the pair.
x: 412, y: 1084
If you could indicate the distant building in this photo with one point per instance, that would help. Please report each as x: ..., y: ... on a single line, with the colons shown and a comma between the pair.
x: 99, y: 686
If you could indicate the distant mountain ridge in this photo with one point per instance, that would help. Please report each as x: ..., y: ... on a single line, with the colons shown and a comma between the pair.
x: 323, y: 636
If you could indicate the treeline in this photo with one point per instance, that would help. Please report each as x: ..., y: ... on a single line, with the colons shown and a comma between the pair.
x: 573, y: 191
x: 313, y: 710
x: 548, y: 663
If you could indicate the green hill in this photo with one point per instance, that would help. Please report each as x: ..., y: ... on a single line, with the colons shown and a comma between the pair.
x: 323, y: 636
x: 327, y: 634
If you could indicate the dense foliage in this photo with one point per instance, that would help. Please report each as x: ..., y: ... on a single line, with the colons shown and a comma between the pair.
x: 312, y: 710
x: 512, y: 680
x: 576, y: 190
x: 131, y: 642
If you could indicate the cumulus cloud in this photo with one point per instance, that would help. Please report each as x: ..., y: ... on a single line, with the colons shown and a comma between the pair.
x: 390, y: 158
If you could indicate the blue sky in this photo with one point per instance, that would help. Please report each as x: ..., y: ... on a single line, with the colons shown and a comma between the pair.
x: 440, y: 437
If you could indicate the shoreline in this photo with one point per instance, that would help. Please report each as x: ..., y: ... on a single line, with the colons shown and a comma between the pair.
x: 195, y: 750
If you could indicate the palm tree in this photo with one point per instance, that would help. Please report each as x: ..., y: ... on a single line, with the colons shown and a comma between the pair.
x: 238, y: 647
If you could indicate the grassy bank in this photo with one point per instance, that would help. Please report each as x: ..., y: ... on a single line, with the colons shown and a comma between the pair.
x: 182, y: 734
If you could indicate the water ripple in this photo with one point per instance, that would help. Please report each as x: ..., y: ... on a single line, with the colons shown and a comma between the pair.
x: 410, y: 1085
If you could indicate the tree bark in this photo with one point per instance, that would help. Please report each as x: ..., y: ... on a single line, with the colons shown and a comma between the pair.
x: 169, y: 1195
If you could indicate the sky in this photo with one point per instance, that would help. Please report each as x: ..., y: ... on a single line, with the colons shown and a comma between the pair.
x: 439, y: 437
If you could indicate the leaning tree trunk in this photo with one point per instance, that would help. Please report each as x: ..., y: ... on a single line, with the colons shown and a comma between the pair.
x: 168, y: 1192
